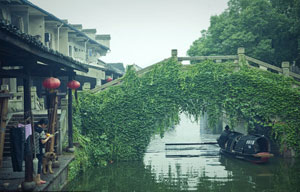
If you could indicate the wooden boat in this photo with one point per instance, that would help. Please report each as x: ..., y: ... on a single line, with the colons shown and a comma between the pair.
x: 253, y: 148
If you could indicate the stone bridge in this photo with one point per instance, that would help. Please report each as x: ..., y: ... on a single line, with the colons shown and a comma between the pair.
x: 239, y: 59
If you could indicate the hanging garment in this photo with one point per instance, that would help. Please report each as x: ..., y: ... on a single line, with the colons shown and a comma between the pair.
x: 17, y: 140
x: 28, y: 130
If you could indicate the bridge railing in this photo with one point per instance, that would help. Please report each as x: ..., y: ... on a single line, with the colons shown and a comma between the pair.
x: 285, y: 67
x: 240, y: 59
x: 106, y: 85
x: 216, y: 58
x: 119, y: 80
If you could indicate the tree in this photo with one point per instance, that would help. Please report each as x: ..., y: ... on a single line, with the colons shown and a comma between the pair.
x: 265, y: 28
x: 291, y: 9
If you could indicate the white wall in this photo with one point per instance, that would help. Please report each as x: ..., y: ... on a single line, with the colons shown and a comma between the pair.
x: 78, y: 50
x: 93, y: 58
x: 91, y: 35
x: 20, y: 18
x: 95, y: 73
x: 5, y: 14
x: 53, y: 31
x: 37, y: 27
x: 63, y: 41
x: 106, y: 43
x: 103, y: 40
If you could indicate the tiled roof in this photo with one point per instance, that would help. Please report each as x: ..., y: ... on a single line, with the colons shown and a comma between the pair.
x: 114, y: 69
x: 32, y: 41
x: 111, y: 68
x: 118, y: 66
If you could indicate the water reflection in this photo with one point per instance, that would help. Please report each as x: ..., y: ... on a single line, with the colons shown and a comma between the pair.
x: 184, y: 164
x: 201, y: 169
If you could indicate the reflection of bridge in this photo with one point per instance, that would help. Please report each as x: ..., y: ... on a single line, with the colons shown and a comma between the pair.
x: 239, y: 59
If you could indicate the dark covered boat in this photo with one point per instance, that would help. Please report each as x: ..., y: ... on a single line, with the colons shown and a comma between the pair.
x: 254, y: 148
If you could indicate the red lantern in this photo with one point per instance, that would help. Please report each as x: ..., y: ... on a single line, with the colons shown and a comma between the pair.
x: 51, y: 83
x: 109, y: 79
x: 73, y: 84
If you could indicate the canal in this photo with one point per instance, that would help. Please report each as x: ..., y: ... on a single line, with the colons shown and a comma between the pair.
x: 190, y: 168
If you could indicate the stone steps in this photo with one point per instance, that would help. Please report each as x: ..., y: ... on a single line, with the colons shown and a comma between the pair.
x: 6, y: 171
x: 9, y: 175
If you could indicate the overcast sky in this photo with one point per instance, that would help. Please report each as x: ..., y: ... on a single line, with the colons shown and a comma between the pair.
x: 142, y: 32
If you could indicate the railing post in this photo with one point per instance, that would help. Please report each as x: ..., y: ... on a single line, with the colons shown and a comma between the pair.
x: 5, y: 87
x: 174, y: 52
x: 34, y: 98
x: 87, y: 85
x: 285, y: 68
x: 20, y: 90
x: 241, y: 55
x: 63, y: 127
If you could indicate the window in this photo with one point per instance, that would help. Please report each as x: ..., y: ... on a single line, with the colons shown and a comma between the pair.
x: 48, y: 38
x: 90, y: 52
x: 70, y: 50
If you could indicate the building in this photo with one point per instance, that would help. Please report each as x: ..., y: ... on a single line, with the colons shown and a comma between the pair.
x: 34, y: 45
x: 83, y: 45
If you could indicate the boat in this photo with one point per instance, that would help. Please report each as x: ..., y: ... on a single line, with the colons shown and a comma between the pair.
x: 253, y: 148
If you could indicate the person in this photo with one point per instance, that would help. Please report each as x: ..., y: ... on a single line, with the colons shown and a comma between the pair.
x: 227, y: 129
x: 222, y: 140
x: 40, y: 140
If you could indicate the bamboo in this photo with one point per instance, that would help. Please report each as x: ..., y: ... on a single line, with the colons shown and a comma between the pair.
x: 52, y: 120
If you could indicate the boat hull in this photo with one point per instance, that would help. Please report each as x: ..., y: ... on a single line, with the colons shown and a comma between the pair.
x: 254, y: 158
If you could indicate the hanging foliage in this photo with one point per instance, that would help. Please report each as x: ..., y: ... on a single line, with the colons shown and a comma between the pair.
x: 120, y: 121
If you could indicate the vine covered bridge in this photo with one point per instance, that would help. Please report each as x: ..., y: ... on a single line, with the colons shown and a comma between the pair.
x: 238, y: 90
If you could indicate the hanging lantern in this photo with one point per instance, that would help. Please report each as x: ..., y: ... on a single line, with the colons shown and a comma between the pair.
x: 73, y: 84
x: 51, y: 83
x: 109, y: 79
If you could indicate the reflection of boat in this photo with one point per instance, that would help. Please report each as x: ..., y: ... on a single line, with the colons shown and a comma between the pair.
x: 254, y: 148
x: 259, y: 174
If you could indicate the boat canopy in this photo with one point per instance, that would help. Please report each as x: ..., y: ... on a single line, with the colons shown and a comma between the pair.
x: 247, y: 144
x: 251, y: 144
x: 227, y: 139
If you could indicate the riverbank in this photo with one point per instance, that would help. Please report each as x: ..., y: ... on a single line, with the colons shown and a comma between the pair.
x: 11, y: 181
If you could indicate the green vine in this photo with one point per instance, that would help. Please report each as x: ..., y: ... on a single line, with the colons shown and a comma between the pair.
x: 117, y: 124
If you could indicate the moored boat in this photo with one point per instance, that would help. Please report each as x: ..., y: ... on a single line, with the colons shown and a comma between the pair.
x: 253, y: 148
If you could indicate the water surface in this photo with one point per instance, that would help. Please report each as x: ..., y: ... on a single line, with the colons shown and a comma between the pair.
x: 190, y: 168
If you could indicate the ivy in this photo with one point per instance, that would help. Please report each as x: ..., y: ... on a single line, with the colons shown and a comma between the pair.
x: 117, y: 124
